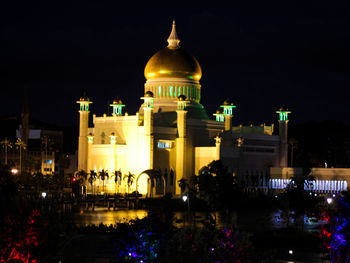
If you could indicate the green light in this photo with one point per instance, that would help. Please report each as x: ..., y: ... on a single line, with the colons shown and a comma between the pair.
x: 148, y: 102
x: 191, y: 77
x: 219, y: 117
x: 181, y: 105
x: 283, y: 115
x: 170, y: 91
x: 159, y: 91
x: 117, y: 108
x: 228, y: 109
x: 84, y: 106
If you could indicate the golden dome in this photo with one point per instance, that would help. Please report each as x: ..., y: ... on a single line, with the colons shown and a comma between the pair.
x: 173, y: 62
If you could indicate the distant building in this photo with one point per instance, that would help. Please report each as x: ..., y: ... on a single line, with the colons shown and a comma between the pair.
x: 31, y: 149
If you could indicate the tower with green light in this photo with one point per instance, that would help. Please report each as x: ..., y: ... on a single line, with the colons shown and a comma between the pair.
x: 228, y: 107
x: 283, y: 133
x: 84, y: 103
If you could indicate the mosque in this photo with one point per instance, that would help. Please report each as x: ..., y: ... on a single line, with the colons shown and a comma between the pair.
x: 172, y: 135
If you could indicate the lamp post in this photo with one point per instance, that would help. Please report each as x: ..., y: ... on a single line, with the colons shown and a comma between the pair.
x: 186, y: 198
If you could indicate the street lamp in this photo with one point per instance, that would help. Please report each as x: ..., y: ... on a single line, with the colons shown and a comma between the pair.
x: 186, y: 198
x: 329, y: 200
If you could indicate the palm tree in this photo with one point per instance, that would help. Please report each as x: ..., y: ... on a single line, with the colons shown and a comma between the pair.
x: 82, y: 175
x: 91, y: 179
x: 129, y: 178
x: 103, y: 174
x: 6, y: 144
x: 117, y: 178
x: 293, y: 144
x: 183, y: 185
x: 20, y: 145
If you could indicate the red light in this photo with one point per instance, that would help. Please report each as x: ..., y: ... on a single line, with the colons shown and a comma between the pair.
x: 74, y: 179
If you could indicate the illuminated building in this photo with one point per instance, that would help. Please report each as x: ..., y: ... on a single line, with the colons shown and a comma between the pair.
x: 172, y: 133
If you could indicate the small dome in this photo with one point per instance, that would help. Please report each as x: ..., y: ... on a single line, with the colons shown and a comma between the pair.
x: 219, y: 111
x: 149, y: 94
x: 117, y: 101
x: 182, y: 98
x: 84, y: 97
x: 283, y: 108
x: 228, y: 102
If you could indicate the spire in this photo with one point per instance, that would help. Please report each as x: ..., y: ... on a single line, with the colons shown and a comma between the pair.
x: 173, y: 39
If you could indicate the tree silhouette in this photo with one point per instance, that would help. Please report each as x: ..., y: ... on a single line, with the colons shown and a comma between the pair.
x: 129, y: 178
x: 103, y: 174
x: 20, y: 145
x: 6, y: 144
x: 293, y: 145
x: 91, y: 179
x: 117, y: 178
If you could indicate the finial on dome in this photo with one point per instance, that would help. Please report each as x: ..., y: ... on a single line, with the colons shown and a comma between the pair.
x: 173, y: 39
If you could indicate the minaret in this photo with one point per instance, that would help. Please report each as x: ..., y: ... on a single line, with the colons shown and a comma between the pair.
x: 181, y: 142
x: 148, y: 128
x: 283, y: 133
x: 83, y: 133
x: 228, y: 107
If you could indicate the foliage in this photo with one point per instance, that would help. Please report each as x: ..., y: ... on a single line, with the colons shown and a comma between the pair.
x: 299, y: 201
x: 8, y: 184
x: 216, y: 185
x: 140, y: 241
x: 336, y: 232
x: 103, y: 174
x: 208, y: 245
x: 129, y: 178
x: 117, y: 176
x: 92, y: 178
x: 147, y: 240
x: 183, y: 185
x: 20, y: 235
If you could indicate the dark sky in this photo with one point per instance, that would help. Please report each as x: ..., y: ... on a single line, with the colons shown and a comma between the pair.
x: 261, y: 54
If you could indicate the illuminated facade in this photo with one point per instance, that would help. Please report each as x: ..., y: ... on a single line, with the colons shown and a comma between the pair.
x: 172, y: 133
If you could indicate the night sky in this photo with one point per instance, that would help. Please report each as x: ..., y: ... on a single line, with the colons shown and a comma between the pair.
x: 261, y: 54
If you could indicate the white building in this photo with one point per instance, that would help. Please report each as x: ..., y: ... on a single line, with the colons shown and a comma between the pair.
x: 172, y: 133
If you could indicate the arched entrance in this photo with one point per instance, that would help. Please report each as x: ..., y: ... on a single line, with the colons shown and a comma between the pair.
x: 146, y: 181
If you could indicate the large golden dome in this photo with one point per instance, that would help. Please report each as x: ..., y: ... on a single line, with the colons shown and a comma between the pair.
x: 173, y: 62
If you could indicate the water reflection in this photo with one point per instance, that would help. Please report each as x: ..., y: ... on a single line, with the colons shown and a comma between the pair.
x: 242, y: 219
x: 108, y: 217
